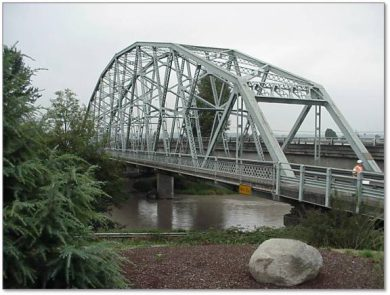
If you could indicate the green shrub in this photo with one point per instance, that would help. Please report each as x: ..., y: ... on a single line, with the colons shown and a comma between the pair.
x: 49, y: 201
x: 69, y: 130
x: 367, y: 253
x: 340, y: 229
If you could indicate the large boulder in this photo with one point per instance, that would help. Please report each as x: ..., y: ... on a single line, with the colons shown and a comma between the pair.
x: 285, y: 262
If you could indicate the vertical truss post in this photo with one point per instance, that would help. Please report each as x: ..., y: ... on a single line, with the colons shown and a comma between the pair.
x: 99, y: 120
x: 133, y: 86
x: 160, y: 93
x: 121, y: 109
x: 145, y: 121
x: 112, y: 85
x: 317, y: 134
x: 238, y: 137
x: 242, y: 131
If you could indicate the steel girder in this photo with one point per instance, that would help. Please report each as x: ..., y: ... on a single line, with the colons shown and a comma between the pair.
x: 146, y: 99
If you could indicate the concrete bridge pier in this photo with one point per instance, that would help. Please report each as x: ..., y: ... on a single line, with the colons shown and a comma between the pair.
x: 275, y: 197
x: 165, y: 186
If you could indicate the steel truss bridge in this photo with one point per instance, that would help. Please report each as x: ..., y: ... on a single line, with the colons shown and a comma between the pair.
x: 149, y: 108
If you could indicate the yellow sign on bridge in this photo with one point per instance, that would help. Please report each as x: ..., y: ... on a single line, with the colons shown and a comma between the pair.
x: 245, y: 189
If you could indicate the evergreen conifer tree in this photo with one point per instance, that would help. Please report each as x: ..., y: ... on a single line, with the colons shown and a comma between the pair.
x: 48, y: 201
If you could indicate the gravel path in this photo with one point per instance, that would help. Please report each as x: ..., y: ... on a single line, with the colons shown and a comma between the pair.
x: 225, y: 267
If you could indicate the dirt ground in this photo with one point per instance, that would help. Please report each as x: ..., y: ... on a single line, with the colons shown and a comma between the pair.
x: 226, y: 267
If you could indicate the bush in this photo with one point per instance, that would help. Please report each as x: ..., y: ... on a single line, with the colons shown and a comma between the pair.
x: 340, y: 229
x: 68, y: 129
x: 48, y: 204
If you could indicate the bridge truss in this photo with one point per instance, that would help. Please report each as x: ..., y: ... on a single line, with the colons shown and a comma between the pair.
x: 147, y: 99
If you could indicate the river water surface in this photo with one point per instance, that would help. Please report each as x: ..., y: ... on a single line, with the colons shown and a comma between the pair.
x: 200, y: 212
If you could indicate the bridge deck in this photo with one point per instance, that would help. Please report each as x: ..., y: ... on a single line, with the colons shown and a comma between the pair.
x: 326, y: 187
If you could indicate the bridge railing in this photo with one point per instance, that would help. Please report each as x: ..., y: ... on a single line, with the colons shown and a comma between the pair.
x: 330, y: 187
x: 216, y: 168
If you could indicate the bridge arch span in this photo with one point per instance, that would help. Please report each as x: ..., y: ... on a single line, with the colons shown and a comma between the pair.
x: 148, y: 99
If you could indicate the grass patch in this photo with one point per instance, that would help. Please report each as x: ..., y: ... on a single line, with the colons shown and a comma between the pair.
x: 376, y: 256
x: 231, y: 236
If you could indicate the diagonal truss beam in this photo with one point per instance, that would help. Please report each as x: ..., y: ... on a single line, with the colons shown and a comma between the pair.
x: 356, y: 144
x: 222, y: 122
x: 296, y: 126
x: 269, y: 139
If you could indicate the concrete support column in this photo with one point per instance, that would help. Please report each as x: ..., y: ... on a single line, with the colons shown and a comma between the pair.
x: 165, y: 186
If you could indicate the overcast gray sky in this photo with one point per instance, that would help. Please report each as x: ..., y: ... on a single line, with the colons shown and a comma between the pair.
x: 340, y: 46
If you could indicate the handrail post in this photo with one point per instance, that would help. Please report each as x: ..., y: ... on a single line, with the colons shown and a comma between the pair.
x: 328, y: 187
x: 240, y: 171
x: 359, y: 191
x: 277, y: 180
x: 215, y: 168
x: 301, y: 182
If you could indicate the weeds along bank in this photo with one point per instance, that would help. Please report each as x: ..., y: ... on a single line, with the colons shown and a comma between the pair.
x: 332, y: 229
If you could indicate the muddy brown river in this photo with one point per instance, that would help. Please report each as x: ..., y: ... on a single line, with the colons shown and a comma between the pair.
x: 200, y: 212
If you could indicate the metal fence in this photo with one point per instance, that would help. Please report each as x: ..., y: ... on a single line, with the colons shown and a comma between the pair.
x: 330, y: 187
x: 258, y: 174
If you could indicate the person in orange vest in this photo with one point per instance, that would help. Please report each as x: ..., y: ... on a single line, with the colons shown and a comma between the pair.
x: 358, y: 168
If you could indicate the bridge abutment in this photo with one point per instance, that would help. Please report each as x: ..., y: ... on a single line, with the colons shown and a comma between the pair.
x: 165, y: 186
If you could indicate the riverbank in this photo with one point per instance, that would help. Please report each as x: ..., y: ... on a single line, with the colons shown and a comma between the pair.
x: 226, y: 267
x: 217, y: 258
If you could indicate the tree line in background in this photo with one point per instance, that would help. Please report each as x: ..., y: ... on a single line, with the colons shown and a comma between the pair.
x: 56, y: 185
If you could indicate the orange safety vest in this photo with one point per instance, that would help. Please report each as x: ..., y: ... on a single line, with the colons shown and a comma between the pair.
x: 357, y: 169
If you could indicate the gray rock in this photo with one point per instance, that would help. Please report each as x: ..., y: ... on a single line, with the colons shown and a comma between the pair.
x: 285, y: 262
